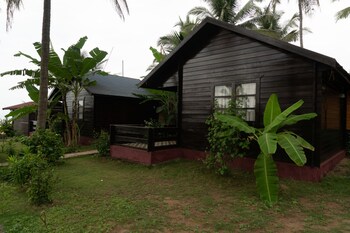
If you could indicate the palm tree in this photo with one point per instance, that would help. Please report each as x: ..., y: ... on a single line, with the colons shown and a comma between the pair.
x: 168, y: 42
x: 227, y: 11
x: 13, y: 5
x: 267, y: 22
x: 305, y: 7
x: 342, y: 14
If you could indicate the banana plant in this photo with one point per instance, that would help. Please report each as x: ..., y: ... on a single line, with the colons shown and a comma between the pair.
x: 71, y: 74
x: 269, y: 138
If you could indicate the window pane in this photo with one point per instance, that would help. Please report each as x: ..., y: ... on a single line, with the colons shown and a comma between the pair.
x: 223, y: 91
x: 247, y: 114
x: 81, y: 109
x: 246, y: 89
x: 245, y: 102
x: 222, y: 102
x: 250, y: 115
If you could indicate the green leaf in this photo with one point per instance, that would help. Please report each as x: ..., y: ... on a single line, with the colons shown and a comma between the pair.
x: 157, y: 55
x: 303, y: 142
x: 236, y: 122
x: 293, y: 119
x: 277, y: 122
x: 21, y: 112
x: 272, y: 110
x: 33, y: 92
x: 265, y: 171
x: 268, y: 143
x: 293, y: 148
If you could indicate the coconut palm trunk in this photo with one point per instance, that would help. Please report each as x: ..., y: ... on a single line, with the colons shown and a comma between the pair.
x: 44, y: 73
x: 301, y: 39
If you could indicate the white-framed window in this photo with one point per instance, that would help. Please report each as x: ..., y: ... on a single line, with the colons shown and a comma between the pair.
x: 81, y: 109
x: 222, y: 96
x: 244, y: 95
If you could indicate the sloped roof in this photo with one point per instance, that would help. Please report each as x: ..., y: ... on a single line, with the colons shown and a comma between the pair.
x: 17, y: 106
x: 114, y: 85
x: 207, y: 30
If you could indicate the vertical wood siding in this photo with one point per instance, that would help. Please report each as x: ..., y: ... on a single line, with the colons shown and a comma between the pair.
x: 230, y: 58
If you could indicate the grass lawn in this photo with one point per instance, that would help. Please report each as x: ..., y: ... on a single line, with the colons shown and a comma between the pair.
x: 103, y: 195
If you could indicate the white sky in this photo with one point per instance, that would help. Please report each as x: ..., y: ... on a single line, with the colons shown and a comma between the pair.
x: 130, y: 40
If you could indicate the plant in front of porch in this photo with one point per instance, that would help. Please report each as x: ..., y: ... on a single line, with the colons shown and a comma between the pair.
x: 225, y: 141
x: 268, y: 138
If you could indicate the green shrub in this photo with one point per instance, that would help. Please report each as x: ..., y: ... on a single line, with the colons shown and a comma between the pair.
x: 47, y: 144
x: 5, y: 174
x: 102, y: 143
x: 33, y: 173
x: 225, y: 142
x: 10, y: 148
x: 20, y: 168
x: 40, y: 186
x: 7, y: 128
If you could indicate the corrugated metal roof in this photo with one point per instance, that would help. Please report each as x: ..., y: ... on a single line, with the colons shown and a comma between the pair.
x: 114, y: 85
x: 17, y: 106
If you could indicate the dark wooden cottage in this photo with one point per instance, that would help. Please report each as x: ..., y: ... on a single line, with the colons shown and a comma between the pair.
x: 110, y: 101
x: 24, y: 125
x: 219, y: 62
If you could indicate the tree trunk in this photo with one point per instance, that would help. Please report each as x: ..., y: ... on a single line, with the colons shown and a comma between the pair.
x: 44, y: 73
x: 67, y: 132
x: 301, y: 23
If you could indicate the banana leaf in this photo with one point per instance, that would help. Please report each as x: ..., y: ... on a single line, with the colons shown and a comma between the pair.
x: 272, y: 110
x: 236, y: 122
x: 293, y: 119
x: 265, y: 171
x: 293, y: 148
x: 268, y: 143
x: 277, y: 122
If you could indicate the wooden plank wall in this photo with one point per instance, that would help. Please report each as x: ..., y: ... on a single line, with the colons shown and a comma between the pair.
x: 229, y: 58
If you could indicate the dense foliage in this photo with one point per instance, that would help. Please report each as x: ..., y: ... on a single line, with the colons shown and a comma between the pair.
x: 102, y: 143
x: 6, y: 128
x: 225, y: 142
x: 46, y: 144
x: 33, y: 174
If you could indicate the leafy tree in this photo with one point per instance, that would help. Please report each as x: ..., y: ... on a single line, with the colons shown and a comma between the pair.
x: 268, y: 138
x: 13, y: 5
x: 227, y: 11
x: 170, y: 41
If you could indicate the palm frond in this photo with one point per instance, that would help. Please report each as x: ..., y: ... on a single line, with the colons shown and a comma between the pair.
x: 343, y: 14
x: 118, y: 7
x: 12, y: 6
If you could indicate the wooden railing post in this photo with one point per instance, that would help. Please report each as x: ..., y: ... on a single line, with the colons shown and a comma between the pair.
x: 150, y: 145
x: 111, y: 134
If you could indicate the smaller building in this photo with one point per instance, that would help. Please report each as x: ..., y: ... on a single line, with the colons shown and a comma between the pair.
x: 24, y: 125
x: 110, y: 101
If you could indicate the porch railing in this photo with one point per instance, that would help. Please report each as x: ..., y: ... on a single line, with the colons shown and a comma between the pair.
x: 142, y: 137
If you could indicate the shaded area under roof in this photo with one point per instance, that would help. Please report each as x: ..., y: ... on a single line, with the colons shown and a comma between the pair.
x: 18, y: 106
x: 114, y: 85
x: 207, y: 30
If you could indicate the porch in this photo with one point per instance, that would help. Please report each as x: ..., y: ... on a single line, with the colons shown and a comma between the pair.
x: 147, y: 145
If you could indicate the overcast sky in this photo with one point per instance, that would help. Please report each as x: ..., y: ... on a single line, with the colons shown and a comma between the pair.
x: 129, y: 41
